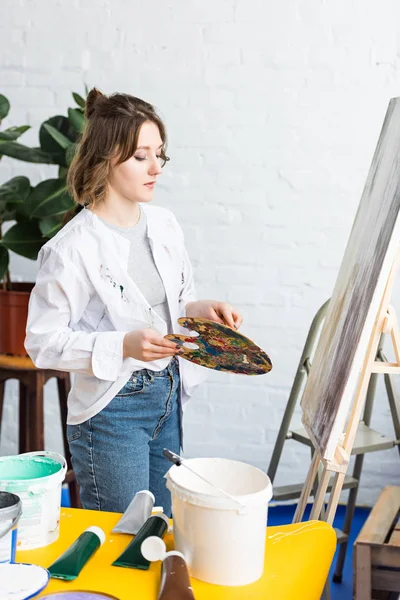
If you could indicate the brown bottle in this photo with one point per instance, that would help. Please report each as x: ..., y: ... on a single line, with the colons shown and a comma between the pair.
x: 175, y: 582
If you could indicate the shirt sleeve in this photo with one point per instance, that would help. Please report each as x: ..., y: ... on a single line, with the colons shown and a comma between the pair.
x: 59, y: 298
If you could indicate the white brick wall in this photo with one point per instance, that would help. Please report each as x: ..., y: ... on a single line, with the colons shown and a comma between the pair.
x: 273, y: 111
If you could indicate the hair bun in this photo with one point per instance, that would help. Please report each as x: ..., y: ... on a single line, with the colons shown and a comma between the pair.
x: 92, y: 99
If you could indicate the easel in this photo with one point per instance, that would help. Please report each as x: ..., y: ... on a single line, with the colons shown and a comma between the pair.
x: 367, y: 440
x: 385, y: 322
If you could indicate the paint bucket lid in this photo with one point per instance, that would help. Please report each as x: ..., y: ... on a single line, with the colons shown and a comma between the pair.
x: 78, y: 595
x: 19, y: 581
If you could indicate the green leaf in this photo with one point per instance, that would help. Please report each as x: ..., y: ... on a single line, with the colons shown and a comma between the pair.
x: 62, y: 172
x: 9, y: 212
x: 4, y: 107
x: 79, y: 100
x: 49, y: 144
x: 20, y: 152
x: 86, y: 89
x: 15, y: 191
x: 13, y: 133
x: 4, y: 260
x: 49, y: 226
x: 49, y: 198
x: 77, y: 119
x: 59, y: 137
x: 70, y: 153
x: 24, y: 239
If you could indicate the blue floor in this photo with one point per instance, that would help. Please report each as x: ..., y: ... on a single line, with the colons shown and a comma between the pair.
x: 280, y: 515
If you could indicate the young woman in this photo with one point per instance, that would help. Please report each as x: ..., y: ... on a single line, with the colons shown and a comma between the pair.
x: 111, y: 284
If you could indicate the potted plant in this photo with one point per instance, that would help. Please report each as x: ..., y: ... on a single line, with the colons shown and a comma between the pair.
x: 37, y: 212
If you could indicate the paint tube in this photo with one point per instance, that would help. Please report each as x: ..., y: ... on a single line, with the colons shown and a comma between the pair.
x: 175, y: 582
x: 156, y: 525
x: 70, y: 564
x: 137, y: 513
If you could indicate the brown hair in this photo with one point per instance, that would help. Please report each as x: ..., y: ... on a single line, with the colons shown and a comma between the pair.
x: 111, y: 131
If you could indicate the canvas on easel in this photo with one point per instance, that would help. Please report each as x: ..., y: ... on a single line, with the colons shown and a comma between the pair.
x: 357, y: 315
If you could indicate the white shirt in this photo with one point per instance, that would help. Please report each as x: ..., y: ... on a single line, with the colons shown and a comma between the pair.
x: 84, y: 302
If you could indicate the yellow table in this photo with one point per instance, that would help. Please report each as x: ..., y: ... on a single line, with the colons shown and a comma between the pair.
x: 297, y: 562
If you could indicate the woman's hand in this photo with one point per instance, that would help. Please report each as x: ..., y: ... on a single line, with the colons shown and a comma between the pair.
x: 148, y: 345
x: 220, y: 312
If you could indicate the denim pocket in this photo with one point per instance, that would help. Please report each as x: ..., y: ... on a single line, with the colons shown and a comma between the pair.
x: 135, y: 385
x: 73, y: 432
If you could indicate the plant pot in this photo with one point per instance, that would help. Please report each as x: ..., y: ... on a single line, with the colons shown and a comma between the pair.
x: 13, y: 317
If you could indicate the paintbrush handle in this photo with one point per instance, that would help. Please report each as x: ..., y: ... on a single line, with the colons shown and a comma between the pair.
x: 172, y: 457
x: 215, y: 487
x: 179, y: 461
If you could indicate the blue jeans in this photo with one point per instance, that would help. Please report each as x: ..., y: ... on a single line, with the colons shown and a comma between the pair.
x: 118, y: 452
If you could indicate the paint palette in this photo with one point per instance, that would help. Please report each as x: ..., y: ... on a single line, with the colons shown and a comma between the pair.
x: 220, y: 347
x: 77, y: 595
x: 84, y: 595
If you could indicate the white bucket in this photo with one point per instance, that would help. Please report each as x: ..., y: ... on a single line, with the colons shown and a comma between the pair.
x: 222, y: 543
x: 36, y: 477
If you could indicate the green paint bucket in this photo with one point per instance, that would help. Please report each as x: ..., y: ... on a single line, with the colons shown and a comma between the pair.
x: 36, y: 477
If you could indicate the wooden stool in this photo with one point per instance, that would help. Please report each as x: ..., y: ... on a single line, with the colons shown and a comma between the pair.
x: 377, y: 549
x: 31, y: 409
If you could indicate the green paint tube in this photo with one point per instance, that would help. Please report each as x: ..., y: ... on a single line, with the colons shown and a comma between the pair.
x: 156, y: 525
x: 71, y: 563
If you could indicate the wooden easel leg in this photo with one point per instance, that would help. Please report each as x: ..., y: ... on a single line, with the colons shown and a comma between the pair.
x: 334, y: 497
x: 306, y: 492
x: 318, y: 503
x: 357, y: 469
x: 394, y: 403
x: 316, y: 482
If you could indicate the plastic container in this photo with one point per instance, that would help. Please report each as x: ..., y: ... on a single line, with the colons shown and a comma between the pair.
x: 10, y: 512
x: 36, y: 477
x: 222, y: 543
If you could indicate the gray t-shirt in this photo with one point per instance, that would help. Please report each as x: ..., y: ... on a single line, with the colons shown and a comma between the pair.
x: 142, y: 268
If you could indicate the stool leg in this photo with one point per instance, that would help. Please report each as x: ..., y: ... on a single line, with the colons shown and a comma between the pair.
x: 36, y: 410
x: 64, y: 386
x: 24, y: 419
x: 2, y: 386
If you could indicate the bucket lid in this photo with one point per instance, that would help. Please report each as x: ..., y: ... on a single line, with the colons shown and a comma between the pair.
x: 21, y: 581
